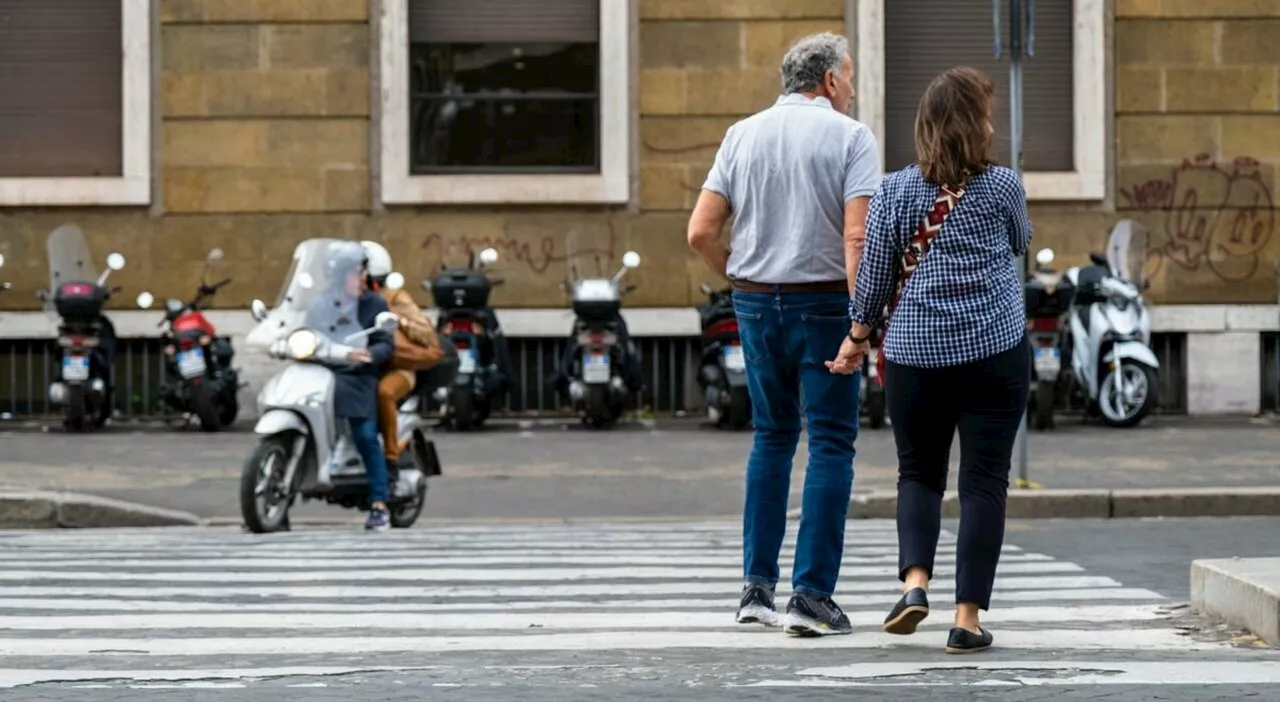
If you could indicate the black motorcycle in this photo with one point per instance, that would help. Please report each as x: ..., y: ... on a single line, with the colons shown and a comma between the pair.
x: 873, y: 398
x: 1048, y: 297
x: 199, y: 378
x: 86, y: 344
x: 722, y: 372
x: 483, y: 373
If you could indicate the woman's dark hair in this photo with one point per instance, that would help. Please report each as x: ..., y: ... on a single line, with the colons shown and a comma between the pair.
x: 951, y: 126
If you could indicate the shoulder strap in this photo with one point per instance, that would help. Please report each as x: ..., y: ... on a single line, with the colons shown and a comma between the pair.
x: 915, y: 251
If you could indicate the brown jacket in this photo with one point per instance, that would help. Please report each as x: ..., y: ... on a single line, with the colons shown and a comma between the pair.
x: 414, y: 326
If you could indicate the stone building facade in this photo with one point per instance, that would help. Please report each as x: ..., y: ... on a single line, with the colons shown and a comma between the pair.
x: 250, y: 125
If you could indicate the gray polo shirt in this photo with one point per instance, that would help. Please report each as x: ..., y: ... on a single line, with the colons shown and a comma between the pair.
x: 787, y: 172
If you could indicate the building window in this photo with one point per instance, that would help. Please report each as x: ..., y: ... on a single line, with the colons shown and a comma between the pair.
x: 903, y: 45
x: 75, y: 102
x: 505, y: 101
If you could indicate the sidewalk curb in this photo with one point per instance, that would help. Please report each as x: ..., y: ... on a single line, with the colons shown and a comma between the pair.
x: 1243, y: 592
x: 1099, y: 504
x: 40, y: 509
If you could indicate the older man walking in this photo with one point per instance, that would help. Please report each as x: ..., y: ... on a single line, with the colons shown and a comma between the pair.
x: 797, y: 178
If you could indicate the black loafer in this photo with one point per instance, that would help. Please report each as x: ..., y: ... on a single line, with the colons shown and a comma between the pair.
x: 965, y: 641
x: 908, y: 613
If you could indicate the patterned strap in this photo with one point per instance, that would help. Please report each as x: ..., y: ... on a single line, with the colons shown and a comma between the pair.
x: 914, y: 253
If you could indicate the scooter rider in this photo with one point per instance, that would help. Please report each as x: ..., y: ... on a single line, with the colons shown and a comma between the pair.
x: 356, y: 389
x: 417, y: 348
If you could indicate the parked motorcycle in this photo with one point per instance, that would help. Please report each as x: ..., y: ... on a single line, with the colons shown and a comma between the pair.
x: 86, y: 338
x: 4, y: 285
x: 1048, y: 296
x: 303, y: 451
x: 873, y: 398
x: 722, y: 373
x: 1111, y: 357
x: 598, y: 370
x: 200, y: 380
x: 484, y: 367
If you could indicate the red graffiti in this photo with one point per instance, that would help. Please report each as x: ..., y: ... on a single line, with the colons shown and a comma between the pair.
x: 454, y: 249
x: 1219, y: 217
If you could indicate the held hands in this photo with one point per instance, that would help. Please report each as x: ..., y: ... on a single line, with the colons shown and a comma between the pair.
x: 850, y: 357
x: 360, y: 356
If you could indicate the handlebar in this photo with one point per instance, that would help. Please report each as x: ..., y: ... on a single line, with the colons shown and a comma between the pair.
x: 206, y: 290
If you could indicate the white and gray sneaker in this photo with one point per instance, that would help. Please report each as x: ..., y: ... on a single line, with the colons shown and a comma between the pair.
x: 811, y: 615
x: 756, y: 606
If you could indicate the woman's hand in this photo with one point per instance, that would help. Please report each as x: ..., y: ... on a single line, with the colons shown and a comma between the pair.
x: 850, y: 357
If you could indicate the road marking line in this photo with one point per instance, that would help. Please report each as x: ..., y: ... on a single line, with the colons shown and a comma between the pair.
x: 1184, y: 672
x: 16, y: 677
x: 370, y: 551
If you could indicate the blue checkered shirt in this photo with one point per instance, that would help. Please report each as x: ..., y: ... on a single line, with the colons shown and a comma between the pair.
x: 965, y: 301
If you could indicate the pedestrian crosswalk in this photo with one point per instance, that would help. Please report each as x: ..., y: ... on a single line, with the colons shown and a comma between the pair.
x: 186, y: 606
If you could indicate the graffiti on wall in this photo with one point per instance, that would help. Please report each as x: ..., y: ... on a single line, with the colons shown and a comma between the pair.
x: 537, y: 254
x: 1217, y: 216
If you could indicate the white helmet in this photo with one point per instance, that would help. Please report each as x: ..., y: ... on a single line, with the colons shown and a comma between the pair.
x: 379, y: 265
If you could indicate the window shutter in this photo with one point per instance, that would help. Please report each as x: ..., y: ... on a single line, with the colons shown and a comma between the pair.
x: 926, y: 37
x: 60, y: 88
x: 504, y: 21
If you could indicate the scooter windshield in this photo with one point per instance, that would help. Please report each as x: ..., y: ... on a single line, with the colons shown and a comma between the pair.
x: 321, y: 293
x: 69, y: 261
x: 1127, y: 251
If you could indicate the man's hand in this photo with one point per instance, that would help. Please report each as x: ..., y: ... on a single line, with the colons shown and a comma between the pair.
x: 850, y: 357
x: 360, y: 356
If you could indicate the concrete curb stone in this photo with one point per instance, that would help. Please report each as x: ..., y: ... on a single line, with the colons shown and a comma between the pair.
x: 1099, y: 504
x: 1244, y: 592
x: 38, y: 509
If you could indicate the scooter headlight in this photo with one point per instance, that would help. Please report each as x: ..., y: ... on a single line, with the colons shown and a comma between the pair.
x: 303, y: 344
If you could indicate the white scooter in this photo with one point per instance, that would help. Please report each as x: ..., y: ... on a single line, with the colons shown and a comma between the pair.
x: 1110, y: 339
x: 303, y: 450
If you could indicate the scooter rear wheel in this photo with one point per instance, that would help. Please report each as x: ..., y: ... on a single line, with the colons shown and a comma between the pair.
x: 404, y: 514
x: 739, y: 408
x: 265, y: 510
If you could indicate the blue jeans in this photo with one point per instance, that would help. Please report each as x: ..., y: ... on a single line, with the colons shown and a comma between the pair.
x: 785, y: 339
x: 364, y: 431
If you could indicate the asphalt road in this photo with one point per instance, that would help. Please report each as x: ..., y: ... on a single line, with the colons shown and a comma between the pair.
x: 1084, y: 610
x: 555, y: 469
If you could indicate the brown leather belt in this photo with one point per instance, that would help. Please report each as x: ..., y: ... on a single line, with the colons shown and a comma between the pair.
x: 823, y: 286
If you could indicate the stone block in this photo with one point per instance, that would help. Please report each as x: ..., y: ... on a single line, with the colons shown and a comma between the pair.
x: 200, y: 48
x: 740, y: 9
x: 701, y: 44
x: 181, y: 10
x: 183, y: 95
x: 318, y: 46
x: 1054, y: 504
x: 1139, y: 89
x: 215, y: 143
x: 266, y: 93
x: 662, y: 91
x: 1220, y: 8
x: 1243, y: 592
x: 1137, y: 8
x: 317, y: 142
x: 1227, y: 89
x: 662, y: 187
x: 1165, y: 139
x: 681, y: 139
x: 1196, y: 502
x: 663, y: 280
x: 1155, y: 42
x: 346, y: 189
x: 26, y: 512
x: 731, y: 91
x: 286, y: 10
x: 1255, y: 136
x: 768, y: 42
x: 183, y: 189
x: 1251, y: 41
x: 274, y: 189
x: 1232, y: 383
x: 347, y: 93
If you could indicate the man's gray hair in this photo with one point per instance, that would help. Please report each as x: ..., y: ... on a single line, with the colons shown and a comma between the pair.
x: 809, y: 59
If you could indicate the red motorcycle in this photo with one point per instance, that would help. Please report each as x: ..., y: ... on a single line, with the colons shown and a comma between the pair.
x: 200, y: 380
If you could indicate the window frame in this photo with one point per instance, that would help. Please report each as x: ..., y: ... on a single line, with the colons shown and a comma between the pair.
x: 133, y: 186
x: 1088, y: 181
x: 611, y: 185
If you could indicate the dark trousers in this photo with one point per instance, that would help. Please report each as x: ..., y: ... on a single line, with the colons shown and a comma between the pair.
x: 985, y: 401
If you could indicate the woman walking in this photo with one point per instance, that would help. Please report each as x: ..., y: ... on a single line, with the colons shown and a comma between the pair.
x: 941, y: 239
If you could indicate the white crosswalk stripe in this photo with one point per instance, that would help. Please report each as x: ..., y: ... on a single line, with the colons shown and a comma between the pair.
x: 196, y: 605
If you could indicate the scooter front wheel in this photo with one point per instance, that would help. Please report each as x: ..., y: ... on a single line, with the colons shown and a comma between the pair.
x: 264, y: 502
x: 1127, y: 408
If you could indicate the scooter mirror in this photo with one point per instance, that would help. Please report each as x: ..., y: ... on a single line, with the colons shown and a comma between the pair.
x: 173, y: 305
x: 395, y: 281
x: 706, y: 289
x: 631, y: 259
x: 115, y: 261
x: 1098, y: 259
x: 214, y: 256
x: 1, y: 260
x: 258, y: 309
x: 145, y: 299
x: 1044, y: 256
x: 489, y: 255
x: 426, y: 284
x: 386, y: 321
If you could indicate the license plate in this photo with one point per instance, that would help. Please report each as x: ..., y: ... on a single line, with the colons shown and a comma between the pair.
x: 1048, y: 362
x: 871, y: 363
x: 466, y: 361
x: 75, y: 368
x: 595, y: 368
x: 191, y: 363
x: 733, y: 359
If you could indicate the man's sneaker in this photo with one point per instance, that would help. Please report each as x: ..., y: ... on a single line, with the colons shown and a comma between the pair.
x: 379, y: 520
x: 811, y: 615
x: 757, y: 605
